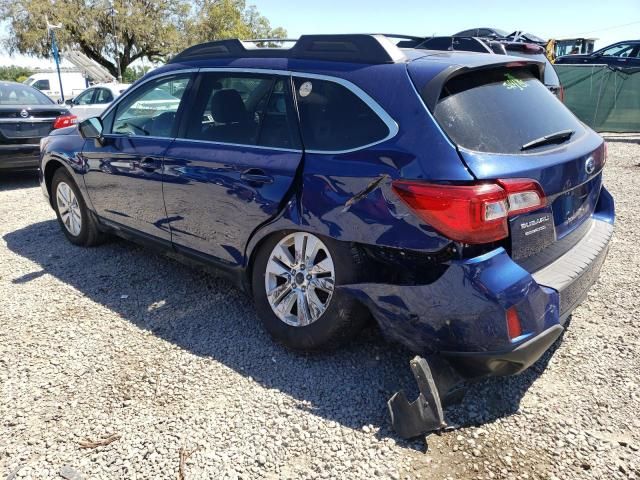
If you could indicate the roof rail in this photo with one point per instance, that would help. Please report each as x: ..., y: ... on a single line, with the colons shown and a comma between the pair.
x: 353, y: 48
x: 270, y: 40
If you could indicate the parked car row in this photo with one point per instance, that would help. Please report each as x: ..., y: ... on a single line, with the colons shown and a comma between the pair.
x: 27, y: 115
x: 625, y: 54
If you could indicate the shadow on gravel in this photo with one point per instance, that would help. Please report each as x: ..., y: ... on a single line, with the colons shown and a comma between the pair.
x: 208, y: 317
x: 17, y: 180
x: 498, y: 397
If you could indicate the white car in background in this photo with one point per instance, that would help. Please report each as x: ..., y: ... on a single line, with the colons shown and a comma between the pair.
x: 95, y: 99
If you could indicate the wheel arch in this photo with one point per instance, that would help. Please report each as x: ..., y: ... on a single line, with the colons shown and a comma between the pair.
x: 51, y: 164
x: 49, y: 171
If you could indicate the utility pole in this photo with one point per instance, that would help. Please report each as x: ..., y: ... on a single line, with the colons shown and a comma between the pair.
x: 56, y: 53
x: 113, y: 13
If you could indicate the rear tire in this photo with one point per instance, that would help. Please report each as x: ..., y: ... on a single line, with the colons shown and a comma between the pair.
x: 303, y: 311
x: 76, y: 220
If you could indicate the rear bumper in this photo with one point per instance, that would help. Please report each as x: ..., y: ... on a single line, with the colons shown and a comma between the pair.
x: 19, y: 157
x: 509, y: 362
x: 462, y: 315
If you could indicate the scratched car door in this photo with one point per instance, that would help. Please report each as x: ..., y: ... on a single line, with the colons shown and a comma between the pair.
x: 233, y: 162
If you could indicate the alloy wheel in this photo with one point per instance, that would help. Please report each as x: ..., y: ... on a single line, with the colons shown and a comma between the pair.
x: 300, y: 279
x: 69, y: 209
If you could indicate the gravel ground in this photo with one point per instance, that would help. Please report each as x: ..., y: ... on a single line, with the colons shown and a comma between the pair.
x: 116, y: 362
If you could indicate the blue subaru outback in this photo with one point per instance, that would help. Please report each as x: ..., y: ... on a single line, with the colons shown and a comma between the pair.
x: 448, y: 195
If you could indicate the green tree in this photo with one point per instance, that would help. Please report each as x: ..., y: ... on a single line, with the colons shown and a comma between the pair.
x: 133, y: 73
x: 219, y: 19
x: 14, y: 74
x: 152, y: 29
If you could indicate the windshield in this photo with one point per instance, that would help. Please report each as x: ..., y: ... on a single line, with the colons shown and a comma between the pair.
x: 18, y: 94
x: 501, y: 110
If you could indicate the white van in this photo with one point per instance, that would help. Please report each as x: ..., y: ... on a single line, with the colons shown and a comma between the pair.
x: 73, y: 83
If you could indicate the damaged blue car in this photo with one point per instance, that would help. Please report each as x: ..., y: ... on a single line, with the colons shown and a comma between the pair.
x: 448, y: 195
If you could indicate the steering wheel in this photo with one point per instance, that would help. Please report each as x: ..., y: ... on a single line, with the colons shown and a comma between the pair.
x: 132, y: 126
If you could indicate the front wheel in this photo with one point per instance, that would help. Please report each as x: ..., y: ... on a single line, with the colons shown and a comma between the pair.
x: 76, y: 221
x: 294, y: 288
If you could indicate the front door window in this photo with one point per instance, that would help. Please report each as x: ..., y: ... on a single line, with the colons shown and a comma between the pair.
x: 151, y: 110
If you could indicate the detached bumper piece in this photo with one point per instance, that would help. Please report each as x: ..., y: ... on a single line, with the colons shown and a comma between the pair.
x: 440, y: 376
x: 425, y: 414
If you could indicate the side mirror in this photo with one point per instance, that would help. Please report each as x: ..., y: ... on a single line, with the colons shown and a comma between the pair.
x: 69, y: 102
x: 91, y: 128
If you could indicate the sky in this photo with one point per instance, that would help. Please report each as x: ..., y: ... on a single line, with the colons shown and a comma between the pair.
x: 609, y: 21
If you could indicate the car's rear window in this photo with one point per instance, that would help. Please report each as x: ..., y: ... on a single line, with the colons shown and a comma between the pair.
x: 501, y: 110
x: 16, y: 94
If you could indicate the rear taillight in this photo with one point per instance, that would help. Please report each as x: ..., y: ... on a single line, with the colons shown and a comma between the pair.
x: 65, y: 121
x: 523, y: 195
x: 472, y: 214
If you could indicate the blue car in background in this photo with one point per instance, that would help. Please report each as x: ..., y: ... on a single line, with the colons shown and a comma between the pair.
x: 449, y: 195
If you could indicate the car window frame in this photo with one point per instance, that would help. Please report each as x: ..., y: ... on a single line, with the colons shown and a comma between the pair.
x: 108, y: 116
x: 391, y: 124
x: 275, y: 76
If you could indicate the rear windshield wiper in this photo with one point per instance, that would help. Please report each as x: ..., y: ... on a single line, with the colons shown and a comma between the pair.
x: 557, y: 137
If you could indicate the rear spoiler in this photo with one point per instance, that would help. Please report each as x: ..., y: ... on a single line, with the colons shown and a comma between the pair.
x: 431, y: 91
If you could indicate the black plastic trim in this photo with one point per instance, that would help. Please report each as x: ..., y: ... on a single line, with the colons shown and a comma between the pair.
x: 353, y: 48
x: 511, y: 362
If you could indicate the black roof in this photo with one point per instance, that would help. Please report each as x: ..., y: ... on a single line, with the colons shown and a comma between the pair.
x: 354, y: 48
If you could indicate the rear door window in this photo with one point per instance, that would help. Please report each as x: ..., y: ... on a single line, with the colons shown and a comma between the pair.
x: 42, y: 85
x: 103, y: 95
x: 334, y: 119
x: 244, y: 109
x: 501, y: 110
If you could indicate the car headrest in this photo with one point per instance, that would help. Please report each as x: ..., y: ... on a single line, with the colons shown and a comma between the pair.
x: 227, y: 106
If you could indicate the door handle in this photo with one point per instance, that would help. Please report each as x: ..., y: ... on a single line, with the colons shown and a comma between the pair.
x: 255, y: 175
x: 149, y: 164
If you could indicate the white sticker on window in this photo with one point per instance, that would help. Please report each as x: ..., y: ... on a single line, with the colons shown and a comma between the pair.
x: 305, y: 89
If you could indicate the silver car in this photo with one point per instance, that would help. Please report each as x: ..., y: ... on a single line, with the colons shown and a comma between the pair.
x: 95, y: 99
